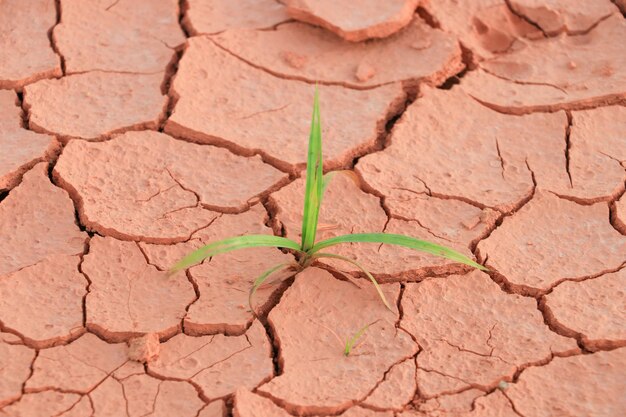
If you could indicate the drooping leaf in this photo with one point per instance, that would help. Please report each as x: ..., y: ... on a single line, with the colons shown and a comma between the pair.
x: 350, y: 342
x: 314, y: 186
x: 365, y: 271
x: 231, y: 244
x: 399, y: 240
x: 262, y: 278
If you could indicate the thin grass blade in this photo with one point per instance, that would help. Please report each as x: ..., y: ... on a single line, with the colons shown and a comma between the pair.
x: 231, y: 244
x: 399, y: 240
x: 350, y: 342
x: 314, y: 186
x: 365, y: 271
x: 262, y: 278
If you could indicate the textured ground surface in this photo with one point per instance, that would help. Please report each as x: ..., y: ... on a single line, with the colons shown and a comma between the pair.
x: 132, y: 132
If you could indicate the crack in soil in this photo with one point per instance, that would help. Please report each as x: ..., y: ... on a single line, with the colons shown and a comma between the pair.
x: 557, y: 327
x: 525, y: 18
x: 500, y: 158
x: 568, y: 145
x: 53, y: 45
x: 84, y: 274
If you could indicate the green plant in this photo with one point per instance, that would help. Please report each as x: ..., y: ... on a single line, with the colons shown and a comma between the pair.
x: 308, y: 249
x: 352, y: 341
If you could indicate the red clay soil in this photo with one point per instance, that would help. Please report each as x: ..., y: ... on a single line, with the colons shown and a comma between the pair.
x: 133, y: 132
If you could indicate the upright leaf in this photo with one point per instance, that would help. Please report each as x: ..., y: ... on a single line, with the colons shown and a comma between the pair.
x: 314, y: 186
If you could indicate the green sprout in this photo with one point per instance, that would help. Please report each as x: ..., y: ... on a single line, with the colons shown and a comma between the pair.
x: 351, y: 341
x: 308, y: 249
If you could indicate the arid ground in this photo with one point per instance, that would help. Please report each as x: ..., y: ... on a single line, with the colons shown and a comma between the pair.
x: 134, y: 131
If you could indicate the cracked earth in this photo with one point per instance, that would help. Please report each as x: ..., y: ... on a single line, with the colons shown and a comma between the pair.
x: 132, y: 132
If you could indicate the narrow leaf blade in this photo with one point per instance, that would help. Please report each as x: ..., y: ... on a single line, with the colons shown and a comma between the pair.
x: 262, y: 278
x: 399, y: 240
x: 350, y: 342
x: 231, y: 244
x: 313, y: 190
x: 367, y: 273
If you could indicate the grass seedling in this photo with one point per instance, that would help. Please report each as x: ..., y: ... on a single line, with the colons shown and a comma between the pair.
x: 355, y: 337
x: 308, y: 249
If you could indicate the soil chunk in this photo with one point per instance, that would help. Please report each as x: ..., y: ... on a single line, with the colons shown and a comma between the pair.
x: 214, y: 16
x: 247, y: 110
x: 137, y: 36
x: 550, y: 228
x: 332, y: 60
x: 25, y: 51
x: 94, y: 105
x: 180, y: 186
x: 565, y: 72
x: 21, y: 148
x: 472, y: 334
x: 593, y: 309
x: 369, y: 20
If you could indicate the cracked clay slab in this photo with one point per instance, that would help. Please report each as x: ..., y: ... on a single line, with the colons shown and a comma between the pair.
x: 214, y: 16
x: 565, y: 72
x: 45, y: 306
x: 578, y: 386
x: 317, y: 377
x: 369, y: 20
x: 540, y: 245
x: 397, y: 390
x: 15, y: 362
x: 473, y: 334
x: 485, y: 27
x: 79, y: 366
x: 102, y: 382
x: 250, y: 111
x: 471, y: 141
x: 557, y: 16
x: 218, y: 365
x: 597, y: 153
x: 128, y: 297
x: 139, y: 394
x: 21, y: 148
x: 594, y: 309
x: 37, y: 221
x: 296, y: 50
x: 148, y: 186
x: 45, y: 403
x: 137, y: 36
x: 94, y: 105
x: 25, y: 52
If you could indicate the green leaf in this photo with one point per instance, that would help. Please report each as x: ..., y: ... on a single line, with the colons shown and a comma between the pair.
x: 231, y: 244
x: 399, y: 240
x: 355, y: 263
x: 350, y: 342
x: 262, y: 278
x: 314, y: 186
